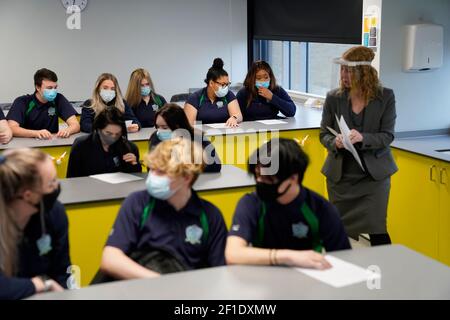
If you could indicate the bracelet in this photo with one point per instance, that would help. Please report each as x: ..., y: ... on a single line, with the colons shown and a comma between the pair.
x: 234, y: 117
x: 47, y: 283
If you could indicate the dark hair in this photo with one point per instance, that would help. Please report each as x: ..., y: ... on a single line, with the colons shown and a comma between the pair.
x: 110, y: 115
x: 292, y: 159
x: 44, y: 74
x: 216, y: 71
x: 250, y: 79
x: 175, y: 117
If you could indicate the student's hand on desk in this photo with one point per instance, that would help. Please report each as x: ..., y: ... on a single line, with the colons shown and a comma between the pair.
x: 39, y: 285
x: 133, y: 128
x: 5, y: 137
x: 64, y: 133
x: 339, y: 142
x: 355, y: 136
x: 232, y: 122
x: 303, y: 259
x: 43, y: 135
x: 130, y: 158
x: 265, y: 93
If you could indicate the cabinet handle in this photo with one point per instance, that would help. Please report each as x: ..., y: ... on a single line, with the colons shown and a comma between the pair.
x: 431, y: 173
x: 441, y: 176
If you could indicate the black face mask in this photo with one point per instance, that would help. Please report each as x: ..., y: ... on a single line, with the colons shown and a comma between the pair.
x: 269, y: 192
x: 49, y: 200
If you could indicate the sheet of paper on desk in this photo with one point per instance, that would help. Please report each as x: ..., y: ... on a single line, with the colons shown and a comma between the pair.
x: 342, y: 273
x: 218, y: 126
x: 344, y: 129
x: 116, y: 178
x: 271, y: 122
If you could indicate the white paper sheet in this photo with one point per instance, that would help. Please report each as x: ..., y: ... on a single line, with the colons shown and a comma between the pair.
x: 342, y: 273
x: 116, y: 178
x: 271, y: 122
x: 218, y: 126
x: 343, y: 127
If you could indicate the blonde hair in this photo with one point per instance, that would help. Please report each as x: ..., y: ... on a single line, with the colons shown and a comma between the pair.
x: 133, y: 95
x: 18, y: 172
x: 177, y: 157
x: 363, y: 79
x: 97, y: 102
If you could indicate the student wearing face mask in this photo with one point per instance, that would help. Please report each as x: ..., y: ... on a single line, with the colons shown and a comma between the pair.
x: 36, y: 115
x: 107, y: 94
x: 261, y: 98
x: 170, y: 120
x: 283, y: 223
x: 34, y: 245
x: 215, y: 103
x: 166, y: 228
x: 105, y: 150
x: 142, y: 98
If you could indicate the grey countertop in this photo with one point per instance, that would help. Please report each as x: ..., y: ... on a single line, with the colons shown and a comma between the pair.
x: 87, y: 189
x: 405, y: 274
x: 426, y: 146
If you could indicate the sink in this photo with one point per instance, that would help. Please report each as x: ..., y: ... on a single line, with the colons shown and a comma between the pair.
x: 444, y: 151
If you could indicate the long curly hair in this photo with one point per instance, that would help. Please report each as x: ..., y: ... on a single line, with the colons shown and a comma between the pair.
x: 363, y: 79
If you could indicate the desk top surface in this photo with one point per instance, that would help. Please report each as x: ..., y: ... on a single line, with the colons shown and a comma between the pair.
x: 405, y: 274
x: 426, y: 146
x: 87, y: 189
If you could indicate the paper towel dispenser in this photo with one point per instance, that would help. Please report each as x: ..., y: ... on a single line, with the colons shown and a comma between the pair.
x: 424, y: 47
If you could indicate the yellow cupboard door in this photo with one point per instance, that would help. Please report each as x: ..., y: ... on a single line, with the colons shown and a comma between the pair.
x: 413, y: 214
x: 444, y: 219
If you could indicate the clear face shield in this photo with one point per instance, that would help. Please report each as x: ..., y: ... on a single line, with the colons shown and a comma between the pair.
x: 341, y: 69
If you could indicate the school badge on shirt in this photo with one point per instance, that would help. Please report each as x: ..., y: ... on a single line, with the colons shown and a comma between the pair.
x: 194, y: 234
x: 219, y: 104
x: 155, y: 107
x: 51, y: 111
x: 300, y: 230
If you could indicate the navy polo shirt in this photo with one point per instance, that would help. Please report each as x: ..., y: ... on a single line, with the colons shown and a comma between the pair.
x: 208, y: 112
x: 145, y: 113
x: 261, y: 109
x: 2, y: 115
x: 284, y: 225
x: 54, y: 264
x: 87, y: 157
x: 213, y: 161
x: 88, y: 115
x: 30, y: 114
x: 166, y: 229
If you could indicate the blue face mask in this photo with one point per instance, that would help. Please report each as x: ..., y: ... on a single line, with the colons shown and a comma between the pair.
x: 164, y: 135
x: 262, y: 84
x: 145, y: 91
x: 107, y: 95
x: 50, y: 94
x: 222, y: 92
x: 159, y: 186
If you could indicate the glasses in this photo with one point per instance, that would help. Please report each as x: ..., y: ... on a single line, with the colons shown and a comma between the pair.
x: 223, y: 84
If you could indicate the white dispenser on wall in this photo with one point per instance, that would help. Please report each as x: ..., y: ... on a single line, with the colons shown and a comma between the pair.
x: 424, y: 47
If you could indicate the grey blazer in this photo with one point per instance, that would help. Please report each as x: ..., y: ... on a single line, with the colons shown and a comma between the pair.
x: 378, y: 134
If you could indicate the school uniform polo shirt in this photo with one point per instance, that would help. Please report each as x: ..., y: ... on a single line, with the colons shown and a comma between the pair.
x: 261, y: 109
x: 285, y: 227
x: 31, y: 114
x: 2, y: 115
x: 88, y: 115
x: 145, y: 113
x: 211, y: 112
x: 179, y: 233
x: 53, y: 264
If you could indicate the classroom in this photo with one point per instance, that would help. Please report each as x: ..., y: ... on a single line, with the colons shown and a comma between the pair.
x: 224, y: 150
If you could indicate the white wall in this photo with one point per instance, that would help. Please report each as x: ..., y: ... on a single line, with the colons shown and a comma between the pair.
x: 423, y: 100
x: 176, y: 40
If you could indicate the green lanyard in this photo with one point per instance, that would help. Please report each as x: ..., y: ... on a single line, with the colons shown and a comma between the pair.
x: 203, y: 98
x: 157, y: 100
x: 148, y: 210
x: 310, y: 218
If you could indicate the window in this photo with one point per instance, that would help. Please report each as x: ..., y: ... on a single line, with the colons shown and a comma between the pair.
x: 300, y: 66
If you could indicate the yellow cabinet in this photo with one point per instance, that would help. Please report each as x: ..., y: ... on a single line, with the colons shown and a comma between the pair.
x: 444, y: 212
x: 419, y: 205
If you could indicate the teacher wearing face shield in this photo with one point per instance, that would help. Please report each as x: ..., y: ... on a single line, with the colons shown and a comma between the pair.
x: 360, y: 192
